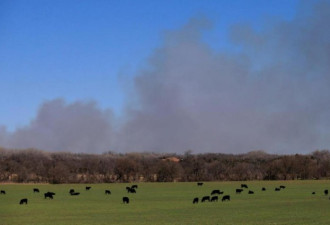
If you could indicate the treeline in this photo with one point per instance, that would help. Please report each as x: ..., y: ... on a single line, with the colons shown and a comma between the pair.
x: 40, y: 166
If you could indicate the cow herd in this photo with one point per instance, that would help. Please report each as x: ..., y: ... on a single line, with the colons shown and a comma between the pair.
x: 213, y: 197
x: 72, y: 192
x: 214, y: 194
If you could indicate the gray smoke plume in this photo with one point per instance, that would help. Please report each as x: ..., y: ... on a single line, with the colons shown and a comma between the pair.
x: 76, y: 127
x: 271, y: 93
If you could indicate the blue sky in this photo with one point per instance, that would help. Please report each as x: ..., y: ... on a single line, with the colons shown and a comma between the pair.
x: 84, y: 50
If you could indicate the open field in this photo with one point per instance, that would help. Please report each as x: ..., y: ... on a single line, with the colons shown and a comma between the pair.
x: 167, y: 203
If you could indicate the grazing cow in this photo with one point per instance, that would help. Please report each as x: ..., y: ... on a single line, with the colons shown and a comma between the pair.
x: 88, y: 188
x: 277, y: 189
x: 2, y: 192
x: 239, y: 190
x: 107, y: 192
x: 75, y: 193
x: 71, y: 191
x: 244, y: 186
x: 205, y: 198
x: 49, y: 195
x: 313, y: 193
x: 282, y: 187
x: 215, y: 192
x: 226, y: 197
x: 326, y: 192
x: 35, y: 190
x: 200, y: 184
x: 125, y: 200
x: 214, y: 199
x: 195, y: 200
x: 263, y: 189
x: 24, y: 200
x: 251, y: 193
x: 134, y: 186
x: 128, y: 189
x: 131, y: 190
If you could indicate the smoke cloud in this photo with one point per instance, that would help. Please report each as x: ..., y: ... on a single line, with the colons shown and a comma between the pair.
x: 273, y: 94
x: 76, y: 127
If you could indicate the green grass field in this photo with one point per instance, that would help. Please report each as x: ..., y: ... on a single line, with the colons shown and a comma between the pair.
x: 167, y: 203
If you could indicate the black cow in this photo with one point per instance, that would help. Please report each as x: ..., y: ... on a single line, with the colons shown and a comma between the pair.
x: 49, y: 195
x: 216, y: 192
x: 251, y: 193
x: 71, y: 191
x: 239, y: 190
x: 214, y: 199
x: 107, y: 192
x: 205, y: 198
x: 125, y: 200
x: 282, y: 187
x: 75, y: 193
x: 3, y: 192
x: 128, y: 189
x: 24, y: 200
x: 200, y: 184
x: 326, y: 192
x: 244, y: 186
x: 131, y: 190
x: 313, y: 193
x: 88, y: 188
x: 277, y: 189
x: 36, y: 190
x: 263, y: 189
x: 134, y: 186
x: 226, y: 197
x: 195, y: 200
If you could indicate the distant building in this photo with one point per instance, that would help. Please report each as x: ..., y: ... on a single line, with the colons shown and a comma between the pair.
x: 172, y: 159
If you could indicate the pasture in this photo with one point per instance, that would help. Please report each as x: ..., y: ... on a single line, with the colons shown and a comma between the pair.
x: 167, y: 203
